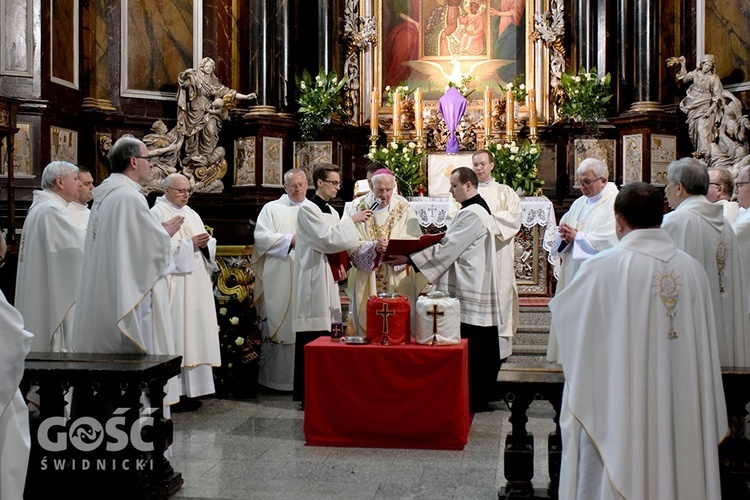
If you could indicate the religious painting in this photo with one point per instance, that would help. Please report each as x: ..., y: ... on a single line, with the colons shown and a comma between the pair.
x: 64, y: 42
x: 601, y: 149
x: 663, y: 152
x: 63, y: 145
x: 160, y: 39
x: 440, y: 166
x: 22, y: 159
x: 310, y: 153
x: 272, y: 161
x: 724, y: 33
x: 426, y: 43
x: 16, y: 44
x: 244, y: 161
x: 632, y: 158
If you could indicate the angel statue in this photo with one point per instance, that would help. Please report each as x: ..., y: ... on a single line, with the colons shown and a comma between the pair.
x: 164, y: 150
x: 202, y: 103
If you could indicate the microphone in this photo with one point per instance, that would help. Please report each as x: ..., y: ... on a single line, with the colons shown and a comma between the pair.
x: 376, y: 204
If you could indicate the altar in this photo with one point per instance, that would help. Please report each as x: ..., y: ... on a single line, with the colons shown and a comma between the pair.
x: 533, y: 265
x: 375, y: 396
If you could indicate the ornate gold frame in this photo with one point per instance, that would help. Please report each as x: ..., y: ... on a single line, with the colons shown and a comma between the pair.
x: 536, y: 65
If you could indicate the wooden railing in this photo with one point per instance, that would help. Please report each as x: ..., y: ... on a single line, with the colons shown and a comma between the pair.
x: 520, y: 384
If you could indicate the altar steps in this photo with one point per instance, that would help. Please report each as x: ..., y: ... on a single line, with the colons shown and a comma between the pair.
x: 532, y: 335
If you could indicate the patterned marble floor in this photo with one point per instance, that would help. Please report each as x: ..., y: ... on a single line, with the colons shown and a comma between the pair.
x: 255, y: 449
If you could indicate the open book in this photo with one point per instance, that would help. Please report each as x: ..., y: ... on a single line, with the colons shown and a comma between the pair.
x: 407, y: 247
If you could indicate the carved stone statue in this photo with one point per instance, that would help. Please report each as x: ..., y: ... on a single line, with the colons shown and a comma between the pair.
x: 164, y: 150
x: 702, y: 102
x: 731, y: 144
x: 202, y: 103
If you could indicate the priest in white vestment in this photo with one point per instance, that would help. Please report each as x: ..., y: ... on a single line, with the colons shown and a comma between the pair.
x: 320, y: 231
x: 505, y: 206
x: 643, y: 407
x: 464, y: 263
x: 742, y: 228
x: 698, y: 227
x: 273, y: 264
x: 586, y: 229
x: 392, y: 217
x: 50, y: 258
x: 720, y: 189
x: 15, y: 438
x: 123, y: 297
x: 79, y: 208
x: 191, y: 294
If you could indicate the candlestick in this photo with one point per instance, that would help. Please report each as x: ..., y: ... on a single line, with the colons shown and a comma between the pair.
x: 487, y: 111
x: 532, y: 108
x: 509, y: 119
x: 374, y: 109
x: 396, y: 115
x: 418, y: 124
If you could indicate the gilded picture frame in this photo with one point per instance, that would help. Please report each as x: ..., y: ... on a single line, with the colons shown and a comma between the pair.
x: 409, y: 46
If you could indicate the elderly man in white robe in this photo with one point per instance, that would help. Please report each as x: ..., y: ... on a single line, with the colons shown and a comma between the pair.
x: 79, y: 208
x: 50, y: 260
x: 15, y: 438
x: 320, y: 232
x: 720, y: 189
x: 392, y: 217
x: 191, y: 293
x: 742, y: 228
x: 698, y: 227
x: 643, y: 408
x: 464, y: 263
x: 273, y: 264
x: 586, y: 229
x: 123, y: 295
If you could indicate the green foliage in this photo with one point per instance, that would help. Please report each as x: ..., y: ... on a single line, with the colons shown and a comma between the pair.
x: 518, y: 87
x: 465, y: 85
x: 402, y: 88
x: 318, y: 99
x: 587, y: 97
x: 405, y: 163
x: 516, y: 166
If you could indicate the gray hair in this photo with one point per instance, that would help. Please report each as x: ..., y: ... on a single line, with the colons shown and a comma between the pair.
x: 55, y: 170
x: 595, y: 165
x: 384, y: 175
x: 292, y: 171
x: 122, y: 151
x: 167, y: 181
x: 691, y: 173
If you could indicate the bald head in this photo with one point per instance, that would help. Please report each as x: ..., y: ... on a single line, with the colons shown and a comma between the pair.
x: 177, y: 189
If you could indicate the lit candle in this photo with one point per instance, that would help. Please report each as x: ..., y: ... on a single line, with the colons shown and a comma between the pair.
x: 532, y: 109
x: 396, y: 114
x: 418, y: 111
x: 374, y: 109
x: 509, y: 119
x: 487, y: 111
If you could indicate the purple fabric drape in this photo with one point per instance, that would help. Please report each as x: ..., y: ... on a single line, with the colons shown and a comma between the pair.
x: 452, y: 106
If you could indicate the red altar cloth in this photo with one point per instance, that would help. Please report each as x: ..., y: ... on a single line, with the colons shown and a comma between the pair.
x: 374, y: 396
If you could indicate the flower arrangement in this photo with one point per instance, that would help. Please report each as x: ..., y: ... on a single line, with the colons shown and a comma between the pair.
x: 587, y: 97
x: 402, y: 89
x: 464, y: 85
x: 518, y: 87
x: 515, y: 166
x: 239, y: 344
x: 405, y: 163
x: 318, y: 99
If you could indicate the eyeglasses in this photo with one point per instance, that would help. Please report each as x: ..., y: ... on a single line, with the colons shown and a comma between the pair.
x: 181, y: 191
x: 738, y: 185
x: 588, y: 182
x: 142, y: 157
x: 332, y: 183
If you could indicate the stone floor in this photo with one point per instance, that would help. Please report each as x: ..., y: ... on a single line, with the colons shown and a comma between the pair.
x: 255, y: 449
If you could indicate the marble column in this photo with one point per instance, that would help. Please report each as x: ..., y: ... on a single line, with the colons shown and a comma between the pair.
x: 325, y: 43
x: 263, y: 52
x: 584, y: 31
x: 645, y: 55
x: 283, y: 46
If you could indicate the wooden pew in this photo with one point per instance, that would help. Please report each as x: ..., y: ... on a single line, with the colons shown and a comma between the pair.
x: 93, y: 437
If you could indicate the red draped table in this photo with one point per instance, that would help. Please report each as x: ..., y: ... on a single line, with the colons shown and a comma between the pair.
x: 373, y: 396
